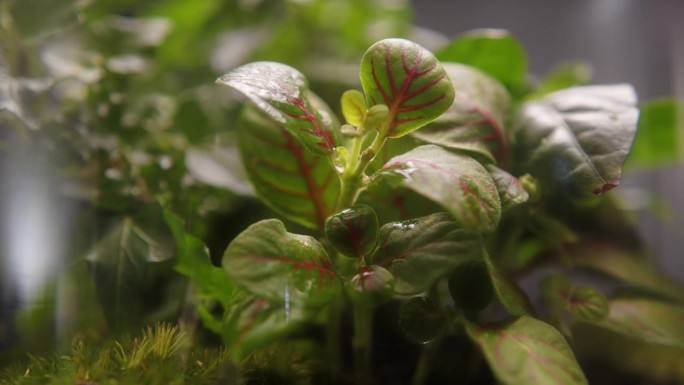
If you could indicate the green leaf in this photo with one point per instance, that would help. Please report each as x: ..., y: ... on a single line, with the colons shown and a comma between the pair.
x: 281, y: 267
x: 578, y: 138
x: 119, y: 260
x: 512, y: 298
x: 301, y: 186
x: 194, y: 261
x: 647, y: 320
x: 564, y: 75
x: 511, y: 191
x: 353, y: 231
x: 470, y: 286
x: 588, y: 304
x: 475, y: 121
x: 422, y: 320
x: 373, y: 286
x: 494, y: 51
x: 524, y: 350
x: 660, y: 138
x: 420, y: 251
x: 282, y: 93
x: 253, y: 322
x: 623, y: 265
x: 556, y: 290
x: 409, y: 80
x: 457, y: 182
x: 353, y: 107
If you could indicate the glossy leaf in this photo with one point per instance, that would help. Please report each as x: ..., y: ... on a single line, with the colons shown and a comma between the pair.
x: 409, y: 80
x: 420, y: 251
x: 281, y: 267
x: 457, y: 182
x: 524, y: 350
x: 373, y: 286
x: 494, y: 51
x: 296, y: 183
x: 470, y: 286
x: 475, y: 121
x: 353, y: 231
x: 509, y: 294
x: 511, y: 191
x: 281, y: 92
x: 119, y: 260
x: 648, y: 320
x: 660, y: 138
x: 578, y: 138
x: 422, y: 320
x: 193, y: 260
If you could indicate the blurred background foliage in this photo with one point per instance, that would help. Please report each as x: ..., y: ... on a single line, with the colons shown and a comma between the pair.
x: 109, y: 118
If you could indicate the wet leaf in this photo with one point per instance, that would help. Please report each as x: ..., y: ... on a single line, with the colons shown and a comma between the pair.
x: 524, y: 350
x: 578, y: 138
x: 281, y: 92
x: 373, y: 286
x: 280, y: 267
x: 420, y: 251
x: 457, y: 182
x: 475, y: 121
x: 296, y: 183
x: 409, y: 80
x: 353, y: 231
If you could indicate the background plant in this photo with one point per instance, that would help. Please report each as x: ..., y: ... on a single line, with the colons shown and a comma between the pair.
x: 133, y: 128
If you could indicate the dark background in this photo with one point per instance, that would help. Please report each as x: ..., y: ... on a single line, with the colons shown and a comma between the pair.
x: 640, y: 42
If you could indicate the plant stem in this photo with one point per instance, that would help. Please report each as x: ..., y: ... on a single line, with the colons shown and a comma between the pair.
x: 352, y: 180
x: 363, y: 329
x: 333, y: 338
x: 427, y: 356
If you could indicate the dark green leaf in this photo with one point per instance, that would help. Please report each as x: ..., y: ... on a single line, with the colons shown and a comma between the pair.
x: 409, y: 80
x: 660, y: 138
x: 421, y: 320
x: 494, y: 51
x: 420, y: 251
x: 193, y: 261
x: 512, y: 298
x: 470, y: 286
x: 282, y: 93
x: 457, y: 182
x: 475, y: 121
x: 119, y: 260
x: 648, y: 320
x: 298, y: 184
x: 281, y: 267
x: 373, y: 286
x: 511, y: 191
x: 353, y: 231
x: 578, y: 138
x: 524, y: 350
